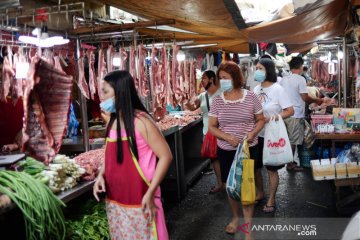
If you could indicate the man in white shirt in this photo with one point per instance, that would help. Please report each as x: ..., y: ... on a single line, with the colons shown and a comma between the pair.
x: 296, y: 88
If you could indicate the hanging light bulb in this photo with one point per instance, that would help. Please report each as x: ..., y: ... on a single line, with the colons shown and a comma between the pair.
x: 340, y: 54
x: 180, y: 56
x: 42, y: 38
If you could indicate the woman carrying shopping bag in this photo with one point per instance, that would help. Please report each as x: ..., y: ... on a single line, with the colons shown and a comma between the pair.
x: 235, y: 114
x: 275, y: 103
x: 204, y: 100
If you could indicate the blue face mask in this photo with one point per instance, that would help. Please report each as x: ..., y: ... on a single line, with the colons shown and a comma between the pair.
x: 225, y: 84
x: 260, y: 76
x: 108, y: 105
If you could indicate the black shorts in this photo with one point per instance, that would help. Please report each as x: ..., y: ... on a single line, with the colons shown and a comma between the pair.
x: 226, y: 158
x: 260, y: 154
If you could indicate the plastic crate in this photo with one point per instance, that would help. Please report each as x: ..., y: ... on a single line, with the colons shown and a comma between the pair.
x: 321, y: 119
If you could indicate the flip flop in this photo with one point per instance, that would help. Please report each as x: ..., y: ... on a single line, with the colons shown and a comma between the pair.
x: 272, y: 209
x: 231, y: 228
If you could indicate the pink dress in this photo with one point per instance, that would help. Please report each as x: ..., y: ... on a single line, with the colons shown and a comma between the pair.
x: 126, y: 184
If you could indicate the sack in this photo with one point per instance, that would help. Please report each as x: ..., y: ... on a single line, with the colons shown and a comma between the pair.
x: 277, y: 148
x: 233, y: 183
x: 209, y: 146
x: 248, y: 193
x: 309, y: 137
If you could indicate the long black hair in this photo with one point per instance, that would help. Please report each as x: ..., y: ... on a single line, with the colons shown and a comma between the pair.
x: 269, y: 65
x: 210, y: 74
x: 126, y: 102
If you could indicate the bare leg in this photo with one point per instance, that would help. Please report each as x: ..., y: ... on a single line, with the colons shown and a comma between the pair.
x: 233, y: 225
x: 273, y: 185
x: 216, y: 166
x: 248, y: 212
x: 259, y: 184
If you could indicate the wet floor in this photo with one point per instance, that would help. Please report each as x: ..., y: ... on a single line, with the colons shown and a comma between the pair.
x: 204, y: 216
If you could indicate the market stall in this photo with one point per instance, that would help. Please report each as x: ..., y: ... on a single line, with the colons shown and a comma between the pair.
x: 54, y: 56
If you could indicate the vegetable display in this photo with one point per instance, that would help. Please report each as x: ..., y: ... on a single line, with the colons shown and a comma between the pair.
x: 41, y: 209
x: 62, y: 174
x: 89, y: 223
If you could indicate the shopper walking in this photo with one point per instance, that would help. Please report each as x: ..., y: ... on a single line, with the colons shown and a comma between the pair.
x: 131, y: 175
x: 212, y: 86
x: 274, y: 101
x: 295, y: 85
x: 234, y: 115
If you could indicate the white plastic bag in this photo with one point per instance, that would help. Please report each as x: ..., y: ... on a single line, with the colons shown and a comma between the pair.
x: 277, y: 147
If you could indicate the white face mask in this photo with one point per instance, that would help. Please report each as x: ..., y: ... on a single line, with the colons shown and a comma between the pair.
x: 225, y: 84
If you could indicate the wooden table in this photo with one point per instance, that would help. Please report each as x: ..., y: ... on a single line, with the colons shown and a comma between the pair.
x: 341, y: 202
x: 334, y: 138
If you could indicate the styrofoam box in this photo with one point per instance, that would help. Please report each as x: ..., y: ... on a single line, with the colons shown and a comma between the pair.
x: 324, y: 169
x: 353, y: 170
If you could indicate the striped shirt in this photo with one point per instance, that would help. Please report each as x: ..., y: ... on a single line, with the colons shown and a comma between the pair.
x: 236, y: 117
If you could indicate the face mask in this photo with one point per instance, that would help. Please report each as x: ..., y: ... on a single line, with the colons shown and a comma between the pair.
x: 259, y: 76
x: 225, y: 84
x: 207, y: 86
x: 108, y: 105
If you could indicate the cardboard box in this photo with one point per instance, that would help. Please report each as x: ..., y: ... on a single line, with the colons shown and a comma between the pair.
x: 341, y: 171
x: 324, y: 169
x: 353, y: 170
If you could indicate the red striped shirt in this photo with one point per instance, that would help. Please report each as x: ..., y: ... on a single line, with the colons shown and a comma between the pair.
x: 236, y: 117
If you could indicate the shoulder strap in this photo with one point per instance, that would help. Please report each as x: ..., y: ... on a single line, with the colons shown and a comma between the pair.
x: 207, y: 101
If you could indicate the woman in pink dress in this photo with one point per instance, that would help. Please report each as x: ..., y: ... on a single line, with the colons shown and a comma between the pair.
x: 131, y: 175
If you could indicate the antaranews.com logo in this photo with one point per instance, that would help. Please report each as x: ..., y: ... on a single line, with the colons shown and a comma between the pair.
x: 294, y: 228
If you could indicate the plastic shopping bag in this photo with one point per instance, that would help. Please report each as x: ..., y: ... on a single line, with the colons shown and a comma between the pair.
x: 209, y: 146
x: 233, y: 183
x: 248, y: 193
x: 277, y: 148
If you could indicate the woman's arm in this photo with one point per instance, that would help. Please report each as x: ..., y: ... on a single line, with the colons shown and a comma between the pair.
x: 287, y: 112
x: 260, y: 122
x: 153, y: 137
x: 214, y: 130
x: 193, y: 106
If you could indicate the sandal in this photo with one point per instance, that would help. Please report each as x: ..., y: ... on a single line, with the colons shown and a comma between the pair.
x: 231, y: 228
x: 215, y: 189
x: 269, y: 209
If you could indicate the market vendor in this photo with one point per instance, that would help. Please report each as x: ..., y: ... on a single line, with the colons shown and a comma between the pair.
x: 11, y: 124
x: 295, y: 85
x: 211, y: 84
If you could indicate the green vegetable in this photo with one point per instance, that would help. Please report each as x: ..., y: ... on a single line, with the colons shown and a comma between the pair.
x: 42, y: 211
x: 31, y: 166
x: 90, y: 223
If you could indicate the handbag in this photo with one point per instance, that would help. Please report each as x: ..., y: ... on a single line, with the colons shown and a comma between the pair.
x: 277, y: 148
x: 309, y: 137
x: 209, y: 146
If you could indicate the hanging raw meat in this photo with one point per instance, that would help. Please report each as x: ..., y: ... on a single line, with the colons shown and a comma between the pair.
x: 154, y: 83
x: 175, y: 76
x: 109, y: 58
x: 143, y: 89
x: 92, y: 76
x: 133, y: 65
x: 17, y: 85
x: 101, y: 73
x: 58, y: 64
x: 46, y: 110
x: 8, y: 74
x: 123, y: 59
x: 84, y: 88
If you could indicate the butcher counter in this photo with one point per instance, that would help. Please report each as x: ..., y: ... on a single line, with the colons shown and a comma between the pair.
x: 185, y: 144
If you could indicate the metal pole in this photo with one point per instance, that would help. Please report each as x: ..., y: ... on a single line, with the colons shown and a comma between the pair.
x: 83, y: 108
x: 345, y: 72
x: 339, y: 76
